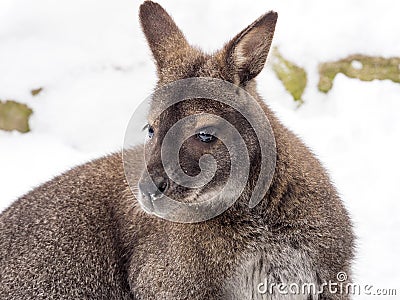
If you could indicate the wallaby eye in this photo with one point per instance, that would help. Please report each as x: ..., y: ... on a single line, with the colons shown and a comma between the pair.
x: 150, y: 132
x: 205, y: 137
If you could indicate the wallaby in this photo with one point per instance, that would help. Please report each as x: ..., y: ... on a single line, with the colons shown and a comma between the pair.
x: 84, y: 234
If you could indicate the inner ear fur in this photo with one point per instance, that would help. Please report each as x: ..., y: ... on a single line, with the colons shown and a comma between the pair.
x: 246, y: 54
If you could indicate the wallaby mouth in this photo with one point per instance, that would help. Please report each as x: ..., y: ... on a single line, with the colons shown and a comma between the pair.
x: 146, y: 203
x: 151, y: 190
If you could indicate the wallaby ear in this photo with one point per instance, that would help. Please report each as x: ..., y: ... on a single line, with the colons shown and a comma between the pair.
x: 245, y: 54
x: 165, y: 39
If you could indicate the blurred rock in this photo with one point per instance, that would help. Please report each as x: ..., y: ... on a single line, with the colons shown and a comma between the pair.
x: 14, y: 116
x: 293, y: 77
x: 366, y: 68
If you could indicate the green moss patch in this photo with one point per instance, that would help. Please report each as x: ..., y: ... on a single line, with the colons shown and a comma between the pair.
x: 293, y: 77
x: 14, y: 116
x: 37, y: 91
x: 359, y: 66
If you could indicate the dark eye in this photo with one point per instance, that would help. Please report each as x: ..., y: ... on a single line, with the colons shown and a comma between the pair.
x: 150, y: 132
x: 205, y: 137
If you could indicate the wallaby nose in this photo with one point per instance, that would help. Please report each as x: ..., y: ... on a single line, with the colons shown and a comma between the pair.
x: 153, y: 187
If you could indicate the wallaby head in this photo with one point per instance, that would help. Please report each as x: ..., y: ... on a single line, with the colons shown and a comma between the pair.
x: 238, y: 63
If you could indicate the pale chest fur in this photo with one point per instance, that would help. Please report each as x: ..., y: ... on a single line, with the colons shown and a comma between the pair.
x: 215, y: 271
x: 283, y: 273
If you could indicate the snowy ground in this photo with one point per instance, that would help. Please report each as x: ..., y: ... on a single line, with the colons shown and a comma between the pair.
x: 91, y: 58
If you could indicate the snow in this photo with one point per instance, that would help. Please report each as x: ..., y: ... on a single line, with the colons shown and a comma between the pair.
x: 357, y: 64
x: 94, y: 65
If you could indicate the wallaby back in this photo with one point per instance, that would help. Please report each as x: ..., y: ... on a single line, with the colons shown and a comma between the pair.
x: 61, y: 240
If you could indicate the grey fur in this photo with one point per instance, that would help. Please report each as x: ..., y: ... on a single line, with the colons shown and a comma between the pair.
x: 83, y: 235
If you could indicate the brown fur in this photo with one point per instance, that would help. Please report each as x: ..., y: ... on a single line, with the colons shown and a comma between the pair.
x: 83, y: 235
